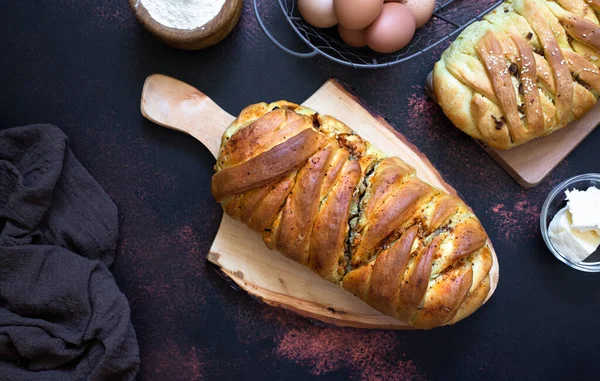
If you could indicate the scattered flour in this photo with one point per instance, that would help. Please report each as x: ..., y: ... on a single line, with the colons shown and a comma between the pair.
x: 182, y: 14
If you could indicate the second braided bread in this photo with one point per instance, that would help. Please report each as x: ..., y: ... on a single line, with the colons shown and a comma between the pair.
x: 526, y: 70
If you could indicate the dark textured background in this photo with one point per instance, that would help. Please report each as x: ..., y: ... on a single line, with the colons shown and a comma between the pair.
x: 80, y: 64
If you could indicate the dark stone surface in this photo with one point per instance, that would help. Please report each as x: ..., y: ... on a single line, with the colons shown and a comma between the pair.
x: 81, y: 64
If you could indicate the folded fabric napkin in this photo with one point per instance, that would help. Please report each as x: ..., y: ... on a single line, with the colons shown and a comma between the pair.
x: 62, y: 316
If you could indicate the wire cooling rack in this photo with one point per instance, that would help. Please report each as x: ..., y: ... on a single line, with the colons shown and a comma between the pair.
x: 449, y: 18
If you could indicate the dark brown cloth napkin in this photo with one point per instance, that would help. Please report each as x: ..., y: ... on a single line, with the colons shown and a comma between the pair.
x: 62, y: 316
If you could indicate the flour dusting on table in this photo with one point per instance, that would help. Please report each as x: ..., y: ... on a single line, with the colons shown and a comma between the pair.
x: 183, y: 14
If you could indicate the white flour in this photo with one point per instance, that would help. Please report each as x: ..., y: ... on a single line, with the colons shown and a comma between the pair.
x: 182, y: 14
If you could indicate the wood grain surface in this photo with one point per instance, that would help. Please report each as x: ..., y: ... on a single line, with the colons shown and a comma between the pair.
x: 531, y: 162
x: 240, y: 252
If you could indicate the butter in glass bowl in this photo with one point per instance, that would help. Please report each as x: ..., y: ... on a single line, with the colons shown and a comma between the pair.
x: 569, y: 226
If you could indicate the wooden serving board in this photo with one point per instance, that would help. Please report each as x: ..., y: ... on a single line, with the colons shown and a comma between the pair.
x: 240, y: 252
x: 531, y: 162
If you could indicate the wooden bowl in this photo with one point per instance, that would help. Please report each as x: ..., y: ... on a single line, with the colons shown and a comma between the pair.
x: 191, y: 39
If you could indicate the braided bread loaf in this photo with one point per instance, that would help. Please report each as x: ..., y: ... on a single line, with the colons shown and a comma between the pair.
x: 528, y: 69
x: 327, y: 199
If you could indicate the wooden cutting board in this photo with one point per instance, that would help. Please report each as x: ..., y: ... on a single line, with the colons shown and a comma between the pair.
x: 239, y: 251
x: 531, y: 162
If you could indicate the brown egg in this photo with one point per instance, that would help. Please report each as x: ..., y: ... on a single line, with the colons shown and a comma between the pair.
x: 356, y: 14
x: 392, y: 30
x: 354, y: 38
x: 318, y: 13
x: 422, y: 9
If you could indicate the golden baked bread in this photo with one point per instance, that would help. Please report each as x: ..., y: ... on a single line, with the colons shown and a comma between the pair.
x: 526, y: 70
x: 327, y: 199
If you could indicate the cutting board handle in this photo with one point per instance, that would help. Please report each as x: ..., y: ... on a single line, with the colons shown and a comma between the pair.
x: 171, y: 103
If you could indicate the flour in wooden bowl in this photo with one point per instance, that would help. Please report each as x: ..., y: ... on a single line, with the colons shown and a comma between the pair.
x: 182, y: 14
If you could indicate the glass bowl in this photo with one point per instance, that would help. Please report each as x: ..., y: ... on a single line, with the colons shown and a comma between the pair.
x: 556, y: 201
